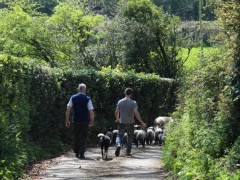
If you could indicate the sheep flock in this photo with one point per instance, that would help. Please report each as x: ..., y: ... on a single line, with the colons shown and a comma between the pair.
x: 152, y: 135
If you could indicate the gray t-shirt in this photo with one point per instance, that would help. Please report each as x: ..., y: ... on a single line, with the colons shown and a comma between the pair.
x: 126, y: 108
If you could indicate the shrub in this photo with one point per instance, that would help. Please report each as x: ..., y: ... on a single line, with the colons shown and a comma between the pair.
x: 154, y: 95
x: 34, y: 98
x: 202, y: 142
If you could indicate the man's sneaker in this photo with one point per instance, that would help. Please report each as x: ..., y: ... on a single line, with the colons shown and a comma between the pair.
x: 128, y: 154
x: 117, y: 152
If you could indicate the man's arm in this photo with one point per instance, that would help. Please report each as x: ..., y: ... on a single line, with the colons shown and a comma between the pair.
x: 139, y: 118
x: 67, y: 123
x: 91, y: 113
x: 117, y: 115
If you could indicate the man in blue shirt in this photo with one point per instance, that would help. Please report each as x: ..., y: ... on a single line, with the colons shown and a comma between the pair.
x: 83, y: 116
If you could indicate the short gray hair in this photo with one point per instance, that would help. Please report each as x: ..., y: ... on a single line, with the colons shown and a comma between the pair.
x: 81, y: 86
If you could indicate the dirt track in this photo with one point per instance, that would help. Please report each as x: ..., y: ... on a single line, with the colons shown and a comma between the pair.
x: 144, y: 164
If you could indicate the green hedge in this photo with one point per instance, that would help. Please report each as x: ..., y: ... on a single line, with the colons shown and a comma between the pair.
x: 204, y: 138
x: 29, y: 115
x: 33, y: 102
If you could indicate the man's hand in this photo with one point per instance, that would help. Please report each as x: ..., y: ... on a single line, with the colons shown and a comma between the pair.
x: 144, y: 125
x: 91, y: 123
x: 67, y: 124
x: 117, y: 120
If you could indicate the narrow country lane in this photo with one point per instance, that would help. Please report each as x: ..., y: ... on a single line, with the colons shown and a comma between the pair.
x: 144, y: 164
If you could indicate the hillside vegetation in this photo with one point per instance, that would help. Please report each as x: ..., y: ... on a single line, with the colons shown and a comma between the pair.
x: 203, y: 141
x: 48, y: 47
x: 195, y: 55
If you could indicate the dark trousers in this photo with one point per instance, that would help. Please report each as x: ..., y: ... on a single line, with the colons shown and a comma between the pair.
x: 80, y: 137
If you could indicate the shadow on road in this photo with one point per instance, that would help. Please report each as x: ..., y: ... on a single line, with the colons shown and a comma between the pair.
x: 144, y: 164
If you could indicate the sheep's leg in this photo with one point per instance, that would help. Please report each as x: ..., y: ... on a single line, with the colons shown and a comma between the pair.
x: 156, y: 140
x: 143, y: 143
x: 147, y: 141
x: 102, y: 149
x: 136, y: 142
x: 106, y: 151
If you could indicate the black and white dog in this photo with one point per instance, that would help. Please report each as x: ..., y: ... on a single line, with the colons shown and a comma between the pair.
x: 105, y: 142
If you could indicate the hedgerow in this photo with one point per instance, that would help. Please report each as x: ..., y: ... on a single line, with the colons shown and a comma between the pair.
x: 203, y: 142
x: 33, y: 101
x: 204, y: 139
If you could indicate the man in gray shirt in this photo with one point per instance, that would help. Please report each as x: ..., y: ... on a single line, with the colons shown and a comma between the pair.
x: 127, y: 108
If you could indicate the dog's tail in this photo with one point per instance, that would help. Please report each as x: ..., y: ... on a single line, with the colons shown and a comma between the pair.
x: 100, y: 135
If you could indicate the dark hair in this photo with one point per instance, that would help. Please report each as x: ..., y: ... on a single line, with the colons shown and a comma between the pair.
x: 128, y: 91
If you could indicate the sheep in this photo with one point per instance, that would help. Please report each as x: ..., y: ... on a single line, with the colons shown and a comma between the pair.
x: 114, y: 136
x: 137, y: 127
x: 161, y: 138
x: 105, y: 142
x: 109, y: 133
x: 141, y: 136
x: 162, y: 120
x: 124, y: 139
x: 135, y: 136
x: 150, y: 136
x: 156, y: 133
x: 151, y: 128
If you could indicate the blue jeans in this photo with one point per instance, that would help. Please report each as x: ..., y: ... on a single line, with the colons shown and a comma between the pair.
x: 122, y: 128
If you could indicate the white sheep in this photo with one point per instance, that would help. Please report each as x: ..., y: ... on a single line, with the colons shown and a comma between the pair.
x: 150, y: 135
x: 141, y: 136
x: 156, y: 133
x: 124, y: 139
x: 114, y: 136
x: 162, y: 121
x: 135, y: 135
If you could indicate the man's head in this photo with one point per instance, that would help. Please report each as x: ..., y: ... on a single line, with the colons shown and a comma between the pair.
x: 82, y: 88
x: 128, y: 91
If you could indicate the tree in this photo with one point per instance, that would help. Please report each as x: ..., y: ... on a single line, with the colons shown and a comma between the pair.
x: 103, y: 7
x: 73, y: 31
x: 59, y: 39
x: 187, y: 9
x: 23, y: 34
x: 147, y: 38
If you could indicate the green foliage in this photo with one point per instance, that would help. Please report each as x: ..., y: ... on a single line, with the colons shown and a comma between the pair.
x: 73, y: 30
x: 33, y: 103
x: 188, y: 10
x: 42, y: 6
x: 143, y: 38
x: 154, y: 48
x: 191, y: 33
x: 106, y: 88
x: 103, y: 7
x: 194, y: 56
x: 28, y: 115
x: 59, y: 39
x: 203, y: 128
x: 204, y: 138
